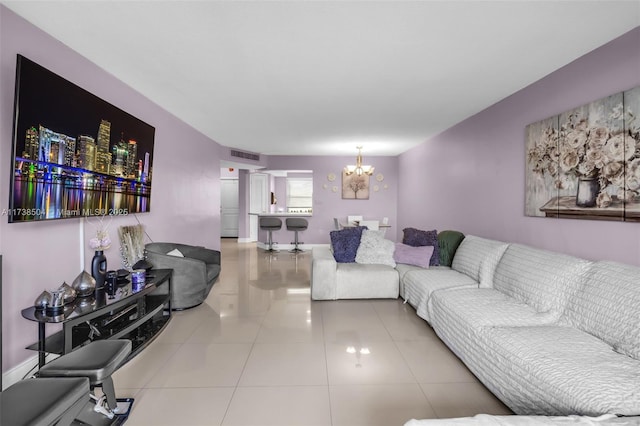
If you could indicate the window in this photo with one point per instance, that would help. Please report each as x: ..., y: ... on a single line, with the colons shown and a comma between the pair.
x: 299, y: 195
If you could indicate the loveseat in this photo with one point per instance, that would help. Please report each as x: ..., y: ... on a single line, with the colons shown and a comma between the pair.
x: 195, y: 270
x: 547, y: 333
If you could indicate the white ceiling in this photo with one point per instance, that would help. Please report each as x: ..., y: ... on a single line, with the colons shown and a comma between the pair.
x: 321, y: 77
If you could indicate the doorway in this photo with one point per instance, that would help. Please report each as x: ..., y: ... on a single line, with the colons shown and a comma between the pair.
x: 229, y: 208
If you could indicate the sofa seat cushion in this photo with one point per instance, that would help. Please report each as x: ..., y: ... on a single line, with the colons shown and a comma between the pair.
x: 608, y: 306
x: 472, y: 309
x: 420, y: 284
x: 539, y: 278
x: 564, y: 370
x: 358, y: 281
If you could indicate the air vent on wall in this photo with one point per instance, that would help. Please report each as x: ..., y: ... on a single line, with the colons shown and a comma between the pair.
x: 245, y: 155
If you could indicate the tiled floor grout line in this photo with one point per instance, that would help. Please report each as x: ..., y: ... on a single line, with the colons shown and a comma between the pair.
x: 326, y: 362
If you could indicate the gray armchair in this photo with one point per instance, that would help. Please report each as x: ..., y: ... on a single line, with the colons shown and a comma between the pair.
x: 193, y: 275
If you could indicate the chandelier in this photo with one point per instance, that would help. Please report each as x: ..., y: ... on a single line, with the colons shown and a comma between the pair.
x: 358, y: 169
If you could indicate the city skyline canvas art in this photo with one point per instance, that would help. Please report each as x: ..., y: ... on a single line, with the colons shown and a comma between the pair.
x: 75, y: 154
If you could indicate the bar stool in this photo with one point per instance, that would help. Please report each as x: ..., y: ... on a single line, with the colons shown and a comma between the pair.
x: 270, y: 224
x: 296, y: 224
x: 97, y: 361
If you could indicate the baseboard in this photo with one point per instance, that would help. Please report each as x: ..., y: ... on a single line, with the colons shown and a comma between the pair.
x: 246, y: 240
x: 16, y: 374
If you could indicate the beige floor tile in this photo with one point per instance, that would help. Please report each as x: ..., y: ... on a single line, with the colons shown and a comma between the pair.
x: 371, y: 405
x: 184, y: 323
x: 340, y: 326
x: 201, y: 365
x: 215, y: 329
x: 375, y: 363
x: 432, y: 362
x: 127, y: 392
x: 279, y: 406
x: 292, y: 320
x: 145, y: 366
x: 184, y: 407
x: 401, y: 321
x: 275, y: 364
x: 462, y: 400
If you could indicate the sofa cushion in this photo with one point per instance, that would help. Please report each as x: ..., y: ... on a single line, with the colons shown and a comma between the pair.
x: 562, y: 370
x: 416, y: 238
x: 417, y: 256
x: 608, y: 306
x: 420, y: 285
x: 477, y: 257
x: 448, y: 242
x: 471, y: 309
x: 542, y: 279
x: 357, y: 281
x: 345, y: 244
x: 375, y: 249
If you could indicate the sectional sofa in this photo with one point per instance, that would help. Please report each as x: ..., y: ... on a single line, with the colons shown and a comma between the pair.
x: 547, y: 333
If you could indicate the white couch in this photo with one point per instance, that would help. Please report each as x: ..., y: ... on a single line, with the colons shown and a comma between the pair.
x: 331, y: 280
x: 548, y: 334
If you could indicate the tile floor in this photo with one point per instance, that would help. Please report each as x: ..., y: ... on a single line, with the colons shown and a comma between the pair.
x: 260, y: 352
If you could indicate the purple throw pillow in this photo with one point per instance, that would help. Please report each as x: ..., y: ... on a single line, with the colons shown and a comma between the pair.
x: 418, y: 238
x: 345, y: 244
x: 418, y: 256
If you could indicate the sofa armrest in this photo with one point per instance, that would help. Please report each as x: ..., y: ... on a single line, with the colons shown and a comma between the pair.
x: 182, y: 266
x: 206, y: 255
x: 323, y: 274
x: 195, y: 252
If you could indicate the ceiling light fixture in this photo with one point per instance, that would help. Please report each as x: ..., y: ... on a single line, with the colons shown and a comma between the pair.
x: 358, y: 169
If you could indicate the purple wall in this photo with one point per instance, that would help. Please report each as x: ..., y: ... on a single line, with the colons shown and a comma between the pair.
x: 471, y: 177
x: 328, y: 204
x: 185, y: 199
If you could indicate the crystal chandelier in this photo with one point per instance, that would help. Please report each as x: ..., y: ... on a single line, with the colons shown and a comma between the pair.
x: 358, y: 169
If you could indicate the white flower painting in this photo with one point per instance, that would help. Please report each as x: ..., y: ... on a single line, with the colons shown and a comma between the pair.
x: 585, y: 163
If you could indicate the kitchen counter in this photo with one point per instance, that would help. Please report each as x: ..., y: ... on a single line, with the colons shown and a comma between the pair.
x: 283, y: 214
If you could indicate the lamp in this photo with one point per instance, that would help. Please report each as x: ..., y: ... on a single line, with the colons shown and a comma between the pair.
x: 358, y: 169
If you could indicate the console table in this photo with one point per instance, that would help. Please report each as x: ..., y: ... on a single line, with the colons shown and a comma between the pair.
x: 138, y: 316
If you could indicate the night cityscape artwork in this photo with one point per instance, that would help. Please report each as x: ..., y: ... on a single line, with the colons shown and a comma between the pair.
x: 74, y: 154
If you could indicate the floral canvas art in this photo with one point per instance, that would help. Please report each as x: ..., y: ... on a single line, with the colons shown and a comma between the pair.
x: 585, y: 163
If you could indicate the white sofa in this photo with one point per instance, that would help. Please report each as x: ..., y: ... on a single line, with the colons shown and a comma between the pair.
x: 331, y: 280
x: 548, y: 334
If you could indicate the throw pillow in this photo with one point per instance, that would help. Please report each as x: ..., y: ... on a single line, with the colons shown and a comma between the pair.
x: 176, y: 253
x: 417, y: 256
x: 345, y: 244
x: 375, y: 249
x: 448, y: 242
x: 418, y: 238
